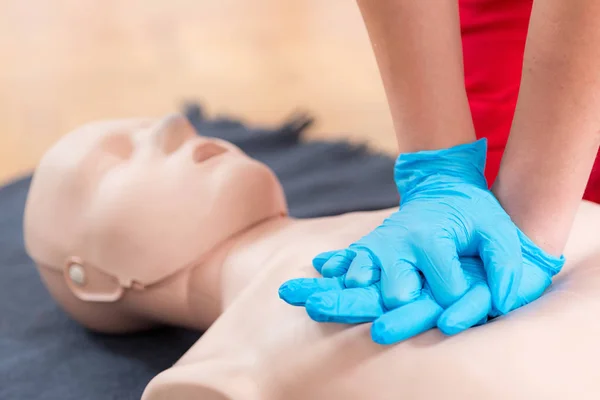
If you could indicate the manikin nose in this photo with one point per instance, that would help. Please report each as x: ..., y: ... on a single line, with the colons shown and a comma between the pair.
x: 172, y: 132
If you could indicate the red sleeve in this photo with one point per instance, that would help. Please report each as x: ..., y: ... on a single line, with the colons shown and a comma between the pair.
x: 493, y: 37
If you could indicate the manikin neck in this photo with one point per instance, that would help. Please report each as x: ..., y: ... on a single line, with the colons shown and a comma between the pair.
x: 228, y: 269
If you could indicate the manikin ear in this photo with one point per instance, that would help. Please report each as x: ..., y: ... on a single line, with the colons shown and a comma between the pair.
x: 90, y: 284
x: 105, y: 317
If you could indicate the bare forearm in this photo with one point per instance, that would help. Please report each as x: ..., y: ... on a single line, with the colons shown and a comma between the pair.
x: 418, y: 49
x: 555, y: 133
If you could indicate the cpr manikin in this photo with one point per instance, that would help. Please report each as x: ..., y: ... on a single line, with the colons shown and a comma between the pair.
x: 137, y: 223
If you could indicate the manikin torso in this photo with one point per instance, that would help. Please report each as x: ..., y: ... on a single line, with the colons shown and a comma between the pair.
x: 256, y: 346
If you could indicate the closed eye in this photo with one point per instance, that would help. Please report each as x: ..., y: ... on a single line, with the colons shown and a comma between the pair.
x: 119, y: 145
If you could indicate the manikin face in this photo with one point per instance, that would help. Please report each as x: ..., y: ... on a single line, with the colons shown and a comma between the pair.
x: 141, y: 199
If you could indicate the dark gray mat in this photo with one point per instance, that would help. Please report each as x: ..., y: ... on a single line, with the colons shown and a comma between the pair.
x: 45, y: 355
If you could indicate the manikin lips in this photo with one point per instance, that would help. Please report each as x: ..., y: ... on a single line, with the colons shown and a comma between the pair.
x: 206, y: 151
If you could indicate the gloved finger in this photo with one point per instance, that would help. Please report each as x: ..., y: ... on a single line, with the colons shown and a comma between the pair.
x: 439, y: 263
x: 349, y: 306
x: 363, y: 270
x: 338, y: 263
x: 401, y: 283
x: 470, y: 310
x: 322, y: 258
x: 473, y: 268
x: 406, y: 321
x: 296, y: 291
x: 503, y: 263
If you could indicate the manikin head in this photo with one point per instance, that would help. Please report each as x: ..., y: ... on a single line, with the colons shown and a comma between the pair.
x: 122, y: 206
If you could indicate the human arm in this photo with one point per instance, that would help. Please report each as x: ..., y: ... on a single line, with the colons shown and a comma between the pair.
x: 556, y: 130
x: 419, y: 54
x: 446, y: 209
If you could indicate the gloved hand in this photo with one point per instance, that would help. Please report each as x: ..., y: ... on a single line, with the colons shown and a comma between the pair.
x: 328, y: 300
x: 446, y: 211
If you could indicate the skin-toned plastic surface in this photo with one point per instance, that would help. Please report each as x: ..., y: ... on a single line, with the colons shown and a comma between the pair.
x: 186, y: 251
x: 98, y: 193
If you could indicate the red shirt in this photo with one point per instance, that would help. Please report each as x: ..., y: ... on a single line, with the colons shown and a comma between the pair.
x: 493, y: 38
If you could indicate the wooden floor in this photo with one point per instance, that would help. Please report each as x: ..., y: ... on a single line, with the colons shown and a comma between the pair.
x: 66, y: 62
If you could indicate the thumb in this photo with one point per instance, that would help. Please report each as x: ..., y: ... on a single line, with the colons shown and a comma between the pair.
x: 500, y: 251
x: 439, y: 263
x: 474, y: 306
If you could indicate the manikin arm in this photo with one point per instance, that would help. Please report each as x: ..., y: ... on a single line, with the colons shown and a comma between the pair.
x: 418, y: 50
x: 556, y: 129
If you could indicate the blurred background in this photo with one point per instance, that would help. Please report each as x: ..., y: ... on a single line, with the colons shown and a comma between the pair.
x: 67, y: 62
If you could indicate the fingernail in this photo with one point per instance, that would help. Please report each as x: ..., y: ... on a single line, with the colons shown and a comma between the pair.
x: 284, y: 291
x: 288, y: 292
x: 449, y: 326
x: 378, y: 333
x: 318, y: 305
x: 317, y: 316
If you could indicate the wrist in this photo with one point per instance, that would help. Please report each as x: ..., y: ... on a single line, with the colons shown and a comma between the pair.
x: 464, y: 163
x: 548, y: 262
x: 548, y: 230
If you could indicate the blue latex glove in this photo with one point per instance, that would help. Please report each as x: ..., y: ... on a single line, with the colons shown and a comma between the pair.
x: 446, y: 211
x: 328, y: 300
